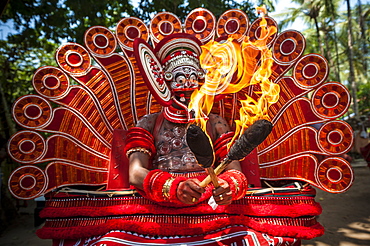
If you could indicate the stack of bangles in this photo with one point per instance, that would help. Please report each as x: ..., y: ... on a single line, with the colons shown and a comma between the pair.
x: 161, y: 186
x: 139, y: 140
x: 220, y: 145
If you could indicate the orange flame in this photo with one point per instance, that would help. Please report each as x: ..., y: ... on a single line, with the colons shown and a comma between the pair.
x: 232, y: 67
x: 261, y: 10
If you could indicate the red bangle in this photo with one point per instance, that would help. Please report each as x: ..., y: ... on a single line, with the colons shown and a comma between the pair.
x: 140, y: 139
x: 173, y: 190
x: 160, y: 186
x: 237, y: 181
x: 220, y: 145
x: 153, y: 184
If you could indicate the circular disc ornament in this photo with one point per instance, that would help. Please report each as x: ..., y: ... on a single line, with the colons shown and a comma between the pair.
x: 233, y: 22
x: 27, y: 182
x: 26, y: 146
x: 51, y: 82
x: 152, y: 72
x: 130, y: 28
x: 32, y: 111
x: 310, y: 71
x: 254, y: 32
x: 201, y: 23
x: 335, y: 175
x: 73, y: 58
x: 331, y: 100
x: 335, y: 137
x: 100, y: 41
x: 288, y: 47
x: 164, y: 24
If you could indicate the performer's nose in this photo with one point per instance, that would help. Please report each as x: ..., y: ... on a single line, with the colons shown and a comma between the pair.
x: 188, y: 83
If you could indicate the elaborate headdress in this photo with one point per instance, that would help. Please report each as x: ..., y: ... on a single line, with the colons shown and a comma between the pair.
x: 180, y: 50
x: 86, y: 125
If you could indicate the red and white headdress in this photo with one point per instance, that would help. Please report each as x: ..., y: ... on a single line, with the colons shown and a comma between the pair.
x: 156, y: 66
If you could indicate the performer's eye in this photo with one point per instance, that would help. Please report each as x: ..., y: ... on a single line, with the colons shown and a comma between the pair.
x: 168, y: 76
x: 201, y: 74
x: 180, y: 79
x: 193, y: 77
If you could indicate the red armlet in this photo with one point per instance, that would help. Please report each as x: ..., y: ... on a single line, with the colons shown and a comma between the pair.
x: 138, y: 137
x: 220, y: 145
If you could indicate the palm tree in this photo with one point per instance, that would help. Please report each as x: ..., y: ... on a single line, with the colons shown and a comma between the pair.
x: 352, y: 77
x: 346, y: 38
x: 362, y: 16
x: 309, y: 11
x: 331, y: 11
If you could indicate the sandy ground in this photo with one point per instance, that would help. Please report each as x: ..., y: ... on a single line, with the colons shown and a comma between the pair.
x: 346, y: 217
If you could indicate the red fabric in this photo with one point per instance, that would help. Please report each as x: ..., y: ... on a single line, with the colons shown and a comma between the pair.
x: 176, y: 226
x: 139, y: 205
x: 230, y: 236
x: 118, y: 177
x: 301, y: 232
x: 251, y: 169
x: 285, y: 203
x: 282, y: 213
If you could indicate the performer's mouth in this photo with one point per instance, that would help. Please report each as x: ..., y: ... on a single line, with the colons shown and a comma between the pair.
x: 184, y: 95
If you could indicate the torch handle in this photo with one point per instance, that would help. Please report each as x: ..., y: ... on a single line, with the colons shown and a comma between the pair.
x: 213, y: 176
x: 217, y: 171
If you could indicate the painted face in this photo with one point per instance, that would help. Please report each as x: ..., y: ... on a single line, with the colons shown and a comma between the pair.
x: 185, y: 78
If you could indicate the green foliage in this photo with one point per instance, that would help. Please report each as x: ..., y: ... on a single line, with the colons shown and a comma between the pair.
x: 55, y: 19
x: 364, y: 99
x: 18, y: 66
x: 18, y: 63
x: 41, y: 26
x: 148, y: 8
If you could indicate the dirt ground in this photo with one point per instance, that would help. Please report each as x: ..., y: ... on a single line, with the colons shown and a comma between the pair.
x: 346, y: 217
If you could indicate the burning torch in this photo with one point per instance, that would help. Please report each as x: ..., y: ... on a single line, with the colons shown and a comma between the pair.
x: 200, y: 144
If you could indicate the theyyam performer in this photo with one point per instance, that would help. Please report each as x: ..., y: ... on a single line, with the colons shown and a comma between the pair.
x: 193, y: 135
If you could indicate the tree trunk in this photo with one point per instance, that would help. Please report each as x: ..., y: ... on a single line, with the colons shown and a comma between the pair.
x: 8, y: 116
x: 333, y: 20
x: 352, y: 78
x: 318, y: 36
x: 337, y: 67
x: 363, y: 38
x: 328, y: 55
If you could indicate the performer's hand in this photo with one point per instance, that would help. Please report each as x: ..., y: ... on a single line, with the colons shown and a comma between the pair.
x: 189, y: 191
x: 223, y: 194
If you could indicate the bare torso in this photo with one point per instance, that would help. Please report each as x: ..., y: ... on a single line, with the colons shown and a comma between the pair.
x: 173, y: 153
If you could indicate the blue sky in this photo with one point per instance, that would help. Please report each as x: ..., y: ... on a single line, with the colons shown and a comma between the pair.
x: 298, y: 24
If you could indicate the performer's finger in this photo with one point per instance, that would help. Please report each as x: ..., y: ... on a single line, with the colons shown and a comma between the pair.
x: 194, y: 185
